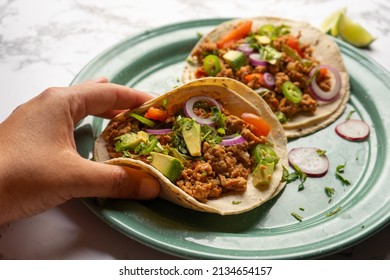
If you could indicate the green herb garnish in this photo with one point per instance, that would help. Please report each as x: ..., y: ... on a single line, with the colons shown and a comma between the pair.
x: 235, y: 202
x: 164, y: 103
x: 302, y: 176
x: 297, y: 216
x: 142, y: 119
x: 339, y: 171
x: 316, y: 71
x: 270, y: 54
x: 219, y: 118
x: 281, y: 117
x: 329, y: 192
x: 292, y: 53
x: 331, y: 213
x: 321, y: 152
x: 349, y: 115
x: 291, y: 177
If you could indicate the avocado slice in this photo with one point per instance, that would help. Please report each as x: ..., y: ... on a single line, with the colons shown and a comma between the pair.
x: 235, y: 59
x: 191, y: 135
x: 262, y: 175
x: 169, y: 166
x: 130, y: 141
x: 178, y: 155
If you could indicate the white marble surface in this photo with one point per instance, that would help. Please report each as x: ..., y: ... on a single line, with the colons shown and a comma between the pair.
x: 46, y: 43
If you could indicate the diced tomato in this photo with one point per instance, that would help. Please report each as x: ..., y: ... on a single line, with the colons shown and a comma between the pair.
x: 253, y: 76
x: 323, y: 72
x: 261, y: 127
x: 200, y: 73
x: 156, y: 114
x: 293, y: 43
x: 241, y: 31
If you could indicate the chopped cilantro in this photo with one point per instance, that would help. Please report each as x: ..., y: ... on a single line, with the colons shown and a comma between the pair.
x: 191, y: 62
x: 329, y: 192
x: 127, y: 154
x: 291, y: 177
x: 145, y: 148
x: 210, y: 135
x: 297, y: 216
x: 302, y: 176
x: 235, y: 202
x: 164, y: 103
x: 321, y: 152
x: 339, y: 171
x: 331, y: 213
x: 219, y: 118
x: 349, y: 115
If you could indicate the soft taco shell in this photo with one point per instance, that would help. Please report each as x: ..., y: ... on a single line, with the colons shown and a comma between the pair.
x: 231, y: 92
x: 325, y: 50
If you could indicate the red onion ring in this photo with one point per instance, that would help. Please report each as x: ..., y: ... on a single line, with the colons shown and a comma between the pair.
x: 255, y: 60
x: 269, y: 79
x: 232, y: 140
x: 189, y: 109
x: 245, y: 48
x: 158, y: 131
x: 318, y: 93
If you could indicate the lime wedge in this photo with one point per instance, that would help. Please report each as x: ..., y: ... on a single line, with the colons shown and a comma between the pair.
x: 354, y: 33
x: 330, y: 24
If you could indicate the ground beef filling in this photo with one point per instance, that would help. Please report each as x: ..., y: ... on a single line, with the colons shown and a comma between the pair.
x: 221, y: 170
x: 287, y: 69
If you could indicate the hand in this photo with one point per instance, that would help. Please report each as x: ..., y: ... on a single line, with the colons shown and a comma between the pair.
x: 40, y: 167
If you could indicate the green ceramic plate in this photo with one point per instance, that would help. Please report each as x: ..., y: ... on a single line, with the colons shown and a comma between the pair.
x: 153, y: 62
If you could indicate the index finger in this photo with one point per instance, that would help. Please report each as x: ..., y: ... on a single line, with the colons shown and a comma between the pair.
x: 103, y: 99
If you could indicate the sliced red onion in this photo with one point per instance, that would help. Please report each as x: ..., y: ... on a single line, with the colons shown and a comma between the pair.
x: 353, y: 130
x: 255, y: 60
x: 318, y: 93
x: 309, y: 161
x: 245, y: 48
x: 232, y: 140
x: 158, y: 131
x: 189, y: 109
x: 269, y: 79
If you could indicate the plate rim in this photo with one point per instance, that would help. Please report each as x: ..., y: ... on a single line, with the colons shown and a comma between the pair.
x: 379, y: 69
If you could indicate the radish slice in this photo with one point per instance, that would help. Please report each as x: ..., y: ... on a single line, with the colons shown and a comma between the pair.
x: 353, y: 130
x: 309, y: 160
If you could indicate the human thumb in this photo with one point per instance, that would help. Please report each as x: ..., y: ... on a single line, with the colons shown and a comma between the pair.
x: 104, y: 180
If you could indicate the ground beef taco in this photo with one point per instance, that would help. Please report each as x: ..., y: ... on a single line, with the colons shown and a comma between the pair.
x: 293, y: 66
x: 208, y: 146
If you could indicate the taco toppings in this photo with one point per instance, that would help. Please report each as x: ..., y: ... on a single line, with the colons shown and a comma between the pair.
x: 283, y: 61
x: 272, y: 61
x: 200, y: 146
x: 205, y: 143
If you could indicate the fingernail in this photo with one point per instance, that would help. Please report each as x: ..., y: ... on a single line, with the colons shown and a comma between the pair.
x: 149, y: 187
